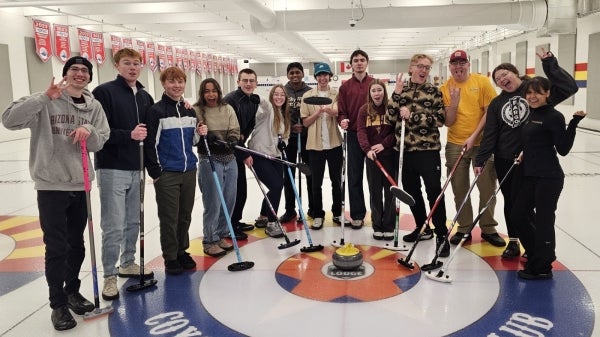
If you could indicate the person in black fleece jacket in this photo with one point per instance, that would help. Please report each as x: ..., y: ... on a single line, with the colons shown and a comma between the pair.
x: 543, y: 178
x: 502, y: 134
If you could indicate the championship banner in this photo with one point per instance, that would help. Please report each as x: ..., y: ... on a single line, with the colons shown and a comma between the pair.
x: 141, y: 48
x: 85, y: 43
x: 199, y: 64
x: 204, y: 59
x: 162, y: 57
x: 116, y: 43
x: 98, y: 47
x: 62, y: 43
x: 192, y: 60
x: 127, y: 42
x: 151, y: 56
x: 43, y: 43
x: 186, y: 59
x: 179, y: 58
x: 170, y: 56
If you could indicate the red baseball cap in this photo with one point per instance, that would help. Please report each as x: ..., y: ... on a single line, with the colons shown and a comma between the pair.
x: 459, y: 55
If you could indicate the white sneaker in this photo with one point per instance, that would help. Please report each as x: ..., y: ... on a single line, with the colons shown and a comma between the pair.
x: 110, y: 291
x: 388, y: 236
x: 378, y: 235
x: 133, y: 270
x: 317, y: 223
x: 273, y: 230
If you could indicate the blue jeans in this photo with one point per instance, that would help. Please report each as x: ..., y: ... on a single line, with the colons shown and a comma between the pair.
x: 119, y: 217
x: 215, y: 225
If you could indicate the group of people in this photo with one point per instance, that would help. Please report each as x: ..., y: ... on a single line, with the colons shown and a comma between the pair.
x: 512, y: 137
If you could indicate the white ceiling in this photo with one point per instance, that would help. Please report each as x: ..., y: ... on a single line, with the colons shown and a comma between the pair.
x: 299, y: 30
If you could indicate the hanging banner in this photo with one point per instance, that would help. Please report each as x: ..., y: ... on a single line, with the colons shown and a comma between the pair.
x: 170, y: 56
x: 179, y: 58
x: 127, y: 42
x: 141, y: 48
x: 199, y: 65
x: 43, y: 43
x: 98, y: 47
x: 162, y: 57
x: 115, y: 43
x: 62, y: 43
x: 192, y: 60
x: 151, y: 56
x: 85, y: 43
x: 186, y: 59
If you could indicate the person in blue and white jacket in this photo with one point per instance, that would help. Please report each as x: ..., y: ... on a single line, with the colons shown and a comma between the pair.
x: 171, y: 162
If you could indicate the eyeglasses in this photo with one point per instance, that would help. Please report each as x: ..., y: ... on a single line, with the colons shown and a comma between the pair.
x: 248, y: 80
x: 79, y: 69
x: 459, y: 63
x: 422, y: 66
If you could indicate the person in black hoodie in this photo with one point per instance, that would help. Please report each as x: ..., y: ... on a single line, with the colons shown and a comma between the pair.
x: 502, y: 134
x: 294, y: 89
x: 543, y: 136
x: 171, y: 163
x: 245, y: 104
x: 125, y: 103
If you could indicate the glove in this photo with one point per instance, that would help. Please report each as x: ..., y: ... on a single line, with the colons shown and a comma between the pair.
x: 254, y: 98
x: 281, y: 145
x: 231, y: 143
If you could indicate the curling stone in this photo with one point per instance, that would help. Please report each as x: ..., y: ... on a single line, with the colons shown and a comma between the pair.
x: 347, y: 257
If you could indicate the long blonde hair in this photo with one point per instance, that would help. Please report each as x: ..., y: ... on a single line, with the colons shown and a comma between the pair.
x: 371, y: 110
x: 280, y: 113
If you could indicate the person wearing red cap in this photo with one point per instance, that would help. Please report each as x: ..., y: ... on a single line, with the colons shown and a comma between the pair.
x: 466, y: 98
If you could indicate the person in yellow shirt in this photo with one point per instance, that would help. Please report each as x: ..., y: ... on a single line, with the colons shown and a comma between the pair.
x: 466, y: 98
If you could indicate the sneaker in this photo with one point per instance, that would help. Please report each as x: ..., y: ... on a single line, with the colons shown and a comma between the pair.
x: 445, y: 249
x: 226, y: 246
x: 186, y: 261
x: 338, y: 220
x: 388, y: 236
x: 494, y: 239
x: 273, y: 230
x: 110, y: 291
x: 378, y: 235
x: 213, y: 249
x: 244, y: 227
x: 414, y: 235
x: 512, y: 250
x: 527, y: 275
x: 79, y: 304
x: 239, y: 235
x: 455, y: 239
x: 261, y: 222
x: 317, y: 223
x: 357, y: 224
x: 287, y: 216
x: 133, y: 270
x: 173, y: 267
x: 62, y: 319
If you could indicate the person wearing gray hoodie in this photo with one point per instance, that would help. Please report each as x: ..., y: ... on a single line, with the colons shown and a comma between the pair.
x: 59, y: 120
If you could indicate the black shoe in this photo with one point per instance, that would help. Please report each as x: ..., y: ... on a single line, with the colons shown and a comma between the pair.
x: 338, y: 220
x: 412, y: 237
x: 458, y: 236
x: 239, y: 235
x: 512, y: 250
x: 173, y: 267
x: 79, y: 304
x: 287, y: 216
x: 261, y: 222
x: 62, y: 319
x: 494, y: 239
x: 527, y: 275
x: 445, y: 250
x: 243, y: 227
x: 186, y: 261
